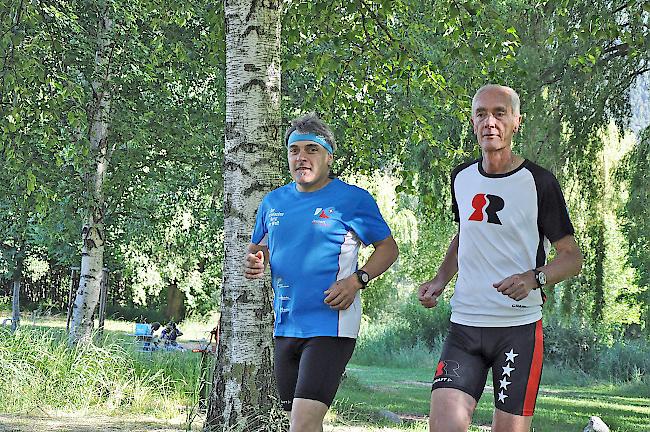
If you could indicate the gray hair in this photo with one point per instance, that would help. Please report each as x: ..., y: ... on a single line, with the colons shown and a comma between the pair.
x: 515, y: 103
x: 311, y: 123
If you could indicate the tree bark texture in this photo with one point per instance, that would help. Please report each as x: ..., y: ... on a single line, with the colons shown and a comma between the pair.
x: 15, y: 301
x: 92, y: 252
x: 243, y: 394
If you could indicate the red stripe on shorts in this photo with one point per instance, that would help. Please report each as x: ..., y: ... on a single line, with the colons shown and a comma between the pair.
x: 535, y: 371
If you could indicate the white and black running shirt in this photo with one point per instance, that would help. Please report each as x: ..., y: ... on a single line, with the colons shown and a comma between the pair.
x: 506, y: 225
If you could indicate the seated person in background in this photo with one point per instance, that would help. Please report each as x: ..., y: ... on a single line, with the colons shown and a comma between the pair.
x: 155, y: 340
x: 169, y: 335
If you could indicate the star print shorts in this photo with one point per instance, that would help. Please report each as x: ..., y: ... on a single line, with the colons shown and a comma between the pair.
x: 515, y: 355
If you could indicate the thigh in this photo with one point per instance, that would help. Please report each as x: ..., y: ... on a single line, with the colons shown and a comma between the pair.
x: 322, y: 365
x: 517, y: 368
x: 286, y: 361
x: 462, y: 365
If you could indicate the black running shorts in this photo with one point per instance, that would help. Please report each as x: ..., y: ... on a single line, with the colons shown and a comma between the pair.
x: 310, y: 368
x: 515, y: 355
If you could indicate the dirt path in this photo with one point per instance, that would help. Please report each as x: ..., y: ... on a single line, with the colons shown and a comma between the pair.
x: 91, y: 423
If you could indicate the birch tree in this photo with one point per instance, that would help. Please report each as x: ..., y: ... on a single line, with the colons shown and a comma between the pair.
x: 92, y: 252
x: 243, y: 392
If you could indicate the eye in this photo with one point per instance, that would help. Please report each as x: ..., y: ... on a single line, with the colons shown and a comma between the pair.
x: 312, y: 149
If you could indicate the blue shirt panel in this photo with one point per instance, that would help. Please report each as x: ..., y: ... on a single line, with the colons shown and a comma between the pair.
x: 305, y: 233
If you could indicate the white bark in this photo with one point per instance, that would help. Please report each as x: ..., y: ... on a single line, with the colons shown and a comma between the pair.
x: 15, y: 304
x: 244, y: 390
x: 92, y: 252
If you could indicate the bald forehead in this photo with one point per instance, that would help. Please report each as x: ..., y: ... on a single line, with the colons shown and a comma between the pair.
x: 492, y: 93
x: 492, y: 98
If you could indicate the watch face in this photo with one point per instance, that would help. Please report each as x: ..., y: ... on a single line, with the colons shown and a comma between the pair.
x: 364, y: 277
x: 541, y: 278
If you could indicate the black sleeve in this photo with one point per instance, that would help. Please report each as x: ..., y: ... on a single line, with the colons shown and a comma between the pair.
x: 454, y: 204
x: 553, y: 216
x: 454, y: 173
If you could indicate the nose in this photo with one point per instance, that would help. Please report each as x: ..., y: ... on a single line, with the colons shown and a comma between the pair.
x: 300, y: 155
x: 490, y: 120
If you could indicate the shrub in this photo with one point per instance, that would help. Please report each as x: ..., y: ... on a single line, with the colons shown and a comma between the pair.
x: 411, y: 335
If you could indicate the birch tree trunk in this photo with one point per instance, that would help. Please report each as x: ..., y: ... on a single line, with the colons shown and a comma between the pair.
x: 15, y: 301
x: 243, y: 393
x: 92, y: 252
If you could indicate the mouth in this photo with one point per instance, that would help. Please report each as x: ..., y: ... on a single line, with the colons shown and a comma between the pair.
x: 302, y: 171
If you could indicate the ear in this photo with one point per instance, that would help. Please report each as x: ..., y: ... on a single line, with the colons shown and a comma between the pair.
x: 518, y: 120
x: 330, y: 159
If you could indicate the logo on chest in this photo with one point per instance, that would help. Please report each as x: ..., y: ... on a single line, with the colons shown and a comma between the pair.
x: 274, y: 217
x: 324, y: 216
x: 487, y: 205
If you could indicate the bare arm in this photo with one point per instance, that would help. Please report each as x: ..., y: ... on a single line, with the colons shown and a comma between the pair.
x: 255, y: 261
x: 429, y: 292
x: 567, y: 263
x: 342, y: 293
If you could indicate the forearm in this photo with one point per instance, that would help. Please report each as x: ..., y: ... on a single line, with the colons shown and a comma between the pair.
x: 382, y: 257
x: 449, y: 266
x: 566, y: 263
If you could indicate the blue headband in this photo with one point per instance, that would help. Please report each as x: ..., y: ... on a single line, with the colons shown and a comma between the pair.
x: 296, y: 136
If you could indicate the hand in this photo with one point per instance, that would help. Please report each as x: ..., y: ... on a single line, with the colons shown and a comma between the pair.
x: 428, y: 293
x: 517, y: 286
x: 254, y: 265
x: 341, y: 294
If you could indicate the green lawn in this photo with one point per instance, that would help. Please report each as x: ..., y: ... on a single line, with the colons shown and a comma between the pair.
x: 369, y: 389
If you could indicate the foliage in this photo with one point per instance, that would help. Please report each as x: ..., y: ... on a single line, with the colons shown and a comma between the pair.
x: 392, y: 78
x: 636, y: 219
x: 403, y: 335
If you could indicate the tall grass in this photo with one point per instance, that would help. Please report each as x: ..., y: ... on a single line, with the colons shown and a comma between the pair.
x: 39, y: 370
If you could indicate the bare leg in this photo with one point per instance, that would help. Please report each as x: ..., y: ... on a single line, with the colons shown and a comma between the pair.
x: 451, y: 410
x: 506, y: 422
x: 307, y: 415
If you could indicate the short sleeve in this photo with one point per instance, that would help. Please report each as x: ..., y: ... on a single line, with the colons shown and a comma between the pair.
x: 454, y: 203
x: 554, y: 221
x: 260, y: 230
x: 367, y: 222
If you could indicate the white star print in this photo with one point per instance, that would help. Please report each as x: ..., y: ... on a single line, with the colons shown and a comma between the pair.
x: 507, y: 369
x: 510, y: 356
x: 502, y: 396
x: 504, y: 383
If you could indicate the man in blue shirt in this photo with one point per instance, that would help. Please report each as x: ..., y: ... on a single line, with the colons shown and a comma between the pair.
x: 310, y: 231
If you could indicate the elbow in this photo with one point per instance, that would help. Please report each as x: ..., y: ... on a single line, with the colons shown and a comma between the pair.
x: 579, y: 261
x: 395, y: 252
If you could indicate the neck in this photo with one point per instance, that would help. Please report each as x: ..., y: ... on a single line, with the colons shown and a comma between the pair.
x: 500, y: 161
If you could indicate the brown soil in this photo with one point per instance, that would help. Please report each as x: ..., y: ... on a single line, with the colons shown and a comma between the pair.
x: 91, y: 423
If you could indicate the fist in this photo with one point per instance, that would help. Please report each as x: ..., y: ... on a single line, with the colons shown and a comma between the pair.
x: 254, y: 265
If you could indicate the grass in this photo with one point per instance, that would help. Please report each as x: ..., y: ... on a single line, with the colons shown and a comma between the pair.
x: 38, y: 372
x: 368, y: 389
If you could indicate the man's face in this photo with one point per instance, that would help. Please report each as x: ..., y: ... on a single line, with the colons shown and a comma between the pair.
x: 309, y: 165
x: 493, y: 120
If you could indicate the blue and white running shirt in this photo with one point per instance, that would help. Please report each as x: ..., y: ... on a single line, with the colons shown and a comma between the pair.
x: 313, y: 240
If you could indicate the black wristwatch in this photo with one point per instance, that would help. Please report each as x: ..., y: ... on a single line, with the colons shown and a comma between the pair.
x: 540, y: 277
x: 363, y: 278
